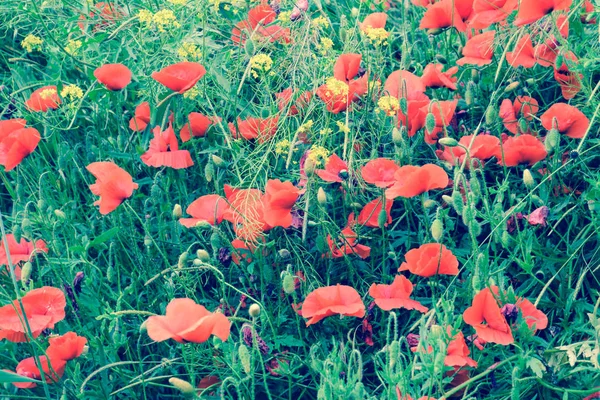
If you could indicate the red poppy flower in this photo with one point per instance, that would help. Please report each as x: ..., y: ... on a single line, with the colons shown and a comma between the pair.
x: 196, y: 126
x: 433, y: 76
x: 442, y: 111
x: 113, y: 185
x: 532, y: 10
x: 44, y: 307
x: 104, y: 14
x: 510, y: 112
x: 457, y: 352
x: 447, y: 13
x: 396, y: 295
x: 113, y: 76
x: 53, y: 371
x: 331, y: 300
x: 186, y: 321
x: 521, y: 149
x: 10, y: 125
x: 258, y: 19
x: 180, y: 77
x: 488, y: 12
x: 285, y: 97
x: 262, y: 129
x: 246, y: 212
x: 478, y: 50
x: 43, y: 99
x: 485, y: 316
x: 19, y: 252
x: 208, y: 381
x: 373, y: 21
x: 369, y: 215
x: 523, y: 54
x: 411, y: 181
x: 333, y: 168
x: 17, y: 145
x: 534, y: 318
x: 341, y: 90
x: 278, y: 201
x: 164, y: 151
x: 65, y: 347
x: 404, y: 84
x: 430, y: 259
x: 346, y: 245
x: 141, y: 118
x: 567, y: 119
x: 209, y: 208
x: 380, y: 172
x: 570, y: 82
x: 483, y: 148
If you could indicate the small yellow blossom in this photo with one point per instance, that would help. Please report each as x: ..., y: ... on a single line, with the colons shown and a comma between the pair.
x: 164, y: 19
x: 320, y: 22
x: 71, y: 92
x: 73, y: 46
x: 47, y: 93
x: 282, y: 147
x: 343, y: 127
x: 337, y: 87
x: 305, y: 127
x: 284, y: 16
x: 189, y: 51
x: 326, y: 131
x: 177, y: 2
x: 325, y: 45
x: 191, y: 93
x: 378, y: 36
x: 260, y: 63
x: 389, y: 104
x: 31, y: 43
x: 145, y: 17
x: 318, y: 155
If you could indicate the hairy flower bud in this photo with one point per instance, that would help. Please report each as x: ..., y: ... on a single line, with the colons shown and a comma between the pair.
x: 183, y: 386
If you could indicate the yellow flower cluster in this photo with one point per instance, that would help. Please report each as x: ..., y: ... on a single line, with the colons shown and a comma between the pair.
x: 178, y: 2
x: 260, y: 63
x: 191, y: 93
x: 71, y: 92
x: 282, y: 147
x: 325, y: 45
x: 73, y: 46
x: 326, y: 131
x: 320, y: 22
x: 318, y: 155
x: 378, y: 36
x: 337, y: 87
x: 161, y: 19
x: 189, y: 51
x: 389, y: 104
x: 305, y: 127
x: 47, y: 93
x: 31, y: 43
x: 342, y: 127
x: 284, y: 16
x: 227, y: 4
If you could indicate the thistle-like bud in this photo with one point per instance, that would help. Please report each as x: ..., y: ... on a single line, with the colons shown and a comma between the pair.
x: 288, y: 283
x: 528, y: 179
x: 209, y: 172
x: 177, y: 211
x: 321, y: 196
x: 552, y: 140
x: 430, y: 122
x: 254, y: 310
x: 490, y: 116
x: 437, y: 229
x: 183, y: 386
x: 448, y: 142
x: 511, y: 87
x: 457, y: 201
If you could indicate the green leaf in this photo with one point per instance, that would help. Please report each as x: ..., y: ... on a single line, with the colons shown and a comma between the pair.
x: 536, y: 367
x: 10, y: 377
x: 104, y: 237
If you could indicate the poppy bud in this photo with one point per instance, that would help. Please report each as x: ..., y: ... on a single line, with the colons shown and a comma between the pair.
x: 441, y: 58
x: 86, y: 350
x: 397, y: 136
x: 506, y: 239
x: 209, y: 171
x: 17, y: 232
x: 60, y: 214
x: 457, y: 201
x: 177, y: 211
x: 530, y: 81
x: 475, y: 228
x: 254, y: 310
x: 183, y: 386
x: 321, y: 196
x: 203, y: 225
x: 218, y: 161
x: 197, y: 262
x: 511, y: 87
x: 560, y: 60
x: 41, y: 204
x: 249, y: 47
x: 26, y: 272
x: 382, y: 218
x: 528, y: 179
x: 143, y: 326
x: 475, y: 75
x: 403, y: 105
x: 244, y: 355
x: 394, y: 350
x: 470, y: 93
x: 26, y: 227
x: 288, y: 283
x: 354, y: 12
x: 110, y: 274
x: 490, y: 116
x: 537, y: 200
x: 429, y: 203
x: 433, y: 31
x: 552, y: 140
x: 147, y: 241
x: 447, y: 199
x: 430, y: 122
x: 476, y: 281
x: 284, y: 254
x: 437, y: 229
x: 522, y: 125
x: 475, y: 186
x: 182, y: 259
x: 309, y: 167
x: 155, y: 191
x: 203, y: 255
x: 448, y: 142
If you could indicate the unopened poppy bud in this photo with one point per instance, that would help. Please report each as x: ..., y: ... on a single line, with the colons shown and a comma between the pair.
x: 309, y: 167
x: 17, y: 232
x: 475, y: 75
x: 530, y: 81
x: 203, y: 225
x: 177, y: 211
x: 522, y: 125
x: 382, y: 219
x: 197, y: 262
x: 313, y: 223
x: 203, y: 255
x: 437, y: 229
x: 41, y: 204
x: 506, y: 239
x: 552, y: 140
x: 490, y: 116
x: 209, y: 172
x: 448, y: 142
x: 447, y: 199
x: 429, y: 203
x: 394, y: 350
x: 183, y: 386
x: 441, y: 58
x: 26, y: 226
x: 244, y: 355
x: 457, y: 201
x: 354, y: 12
x: 475, y: 186
x: 110, y: 274
x: 433, y: 31
x: 284, y: 254
x: 397, y: 136
x: 218, y: 161
x: 249, y: 47
x: 26, y: 272
x: 403, y: 106
x: 438, y: 364
x: 537, y: 200
x: 254, y: 310
x: 511, y: 87
x: 86, y: 350
x: 436, y: 332
x: 288, y: 283
x: 430, y: 122
x: 321, y: 196
x: 470, y: 93
x: 528, y: 179
x: 182, y: 259
x: 60, y: 214
x: 147, y: 241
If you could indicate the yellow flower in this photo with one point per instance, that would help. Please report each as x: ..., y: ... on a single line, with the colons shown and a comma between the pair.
x: 318, y: 155
x: 389, y: 104
x: 177, y: 2
x: 343, y: 127
x: 164, y: 19
x: 337, y: 87
x: 31, y: 43
x: 320, y: 22
x: 325, y: 131
x: 325, y: 45
x: 305, y: 127
x: 189, y: 51
x: 73, y: 46
x: 282, y: 147
x: 191, y: 93
x: 284, y: 16
x: 71, y: 92
x: 145, y: 17
x: 260, y: 63
x: 378, y: 36
x: 47, y: 93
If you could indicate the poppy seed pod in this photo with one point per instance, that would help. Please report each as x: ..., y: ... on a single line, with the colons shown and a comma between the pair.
x: 437, y: 229
x: 321, y: 196
x: 254, y: 310
x: 511, y: 87
x: 177, y: 211
x: 183, y: 386
x: 528, y: 179
x: 244, y: 355
x: 203, y: 255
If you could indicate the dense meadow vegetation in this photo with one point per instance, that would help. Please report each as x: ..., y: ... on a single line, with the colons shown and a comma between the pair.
x: 299, y: 200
